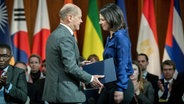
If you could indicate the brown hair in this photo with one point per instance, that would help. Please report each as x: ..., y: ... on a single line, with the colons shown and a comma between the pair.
x: 35, y: 55
x: 168, y: 62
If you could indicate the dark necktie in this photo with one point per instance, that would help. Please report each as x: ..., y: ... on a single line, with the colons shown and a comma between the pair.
x: 166, y: 89
x: 1, y: 72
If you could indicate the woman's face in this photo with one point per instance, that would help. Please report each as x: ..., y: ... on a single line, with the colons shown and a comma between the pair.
x: 135, y: 75
x: 103, y: 23
x: 34, y: 64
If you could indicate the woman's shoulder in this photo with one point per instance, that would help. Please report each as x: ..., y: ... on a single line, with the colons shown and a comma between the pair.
x: 147, y: 83
x: 121, y: 34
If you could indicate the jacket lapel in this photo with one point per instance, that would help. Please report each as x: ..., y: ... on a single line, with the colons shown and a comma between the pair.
x: 9, y: 74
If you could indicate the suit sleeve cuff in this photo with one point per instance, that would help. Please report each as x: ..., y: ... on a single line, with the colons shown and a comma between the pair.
x: 92, y: 79
x: 8, y: 87
x: 160, y: 93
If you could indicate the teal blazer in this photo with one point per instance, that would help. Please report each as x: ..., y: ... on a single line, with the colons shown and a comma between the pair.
x: 63, y: 75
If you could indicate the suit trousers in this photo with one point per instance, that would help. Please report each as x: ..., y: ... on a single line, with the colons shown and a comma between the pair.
x: 107, y: 95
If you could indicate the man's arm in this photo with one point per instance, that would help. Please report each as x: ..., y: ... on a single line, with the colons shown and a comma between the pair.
x: 18, y: 90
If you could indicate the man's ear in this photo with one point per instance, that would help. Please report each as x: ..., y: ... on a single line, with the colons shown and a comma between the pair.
x: 69, y: 17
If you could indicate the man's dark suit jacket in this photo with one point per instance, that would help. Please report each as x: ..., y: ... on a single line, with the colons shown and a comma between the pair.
x: 162, y: 81
x: 18, y: 92
x: 177, y: 90
x: 153, y: 79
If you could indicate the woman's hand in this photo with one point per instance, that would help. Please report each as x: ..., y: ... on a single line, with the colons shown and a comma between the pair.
x: 85, y: 63
x: 136, y: 88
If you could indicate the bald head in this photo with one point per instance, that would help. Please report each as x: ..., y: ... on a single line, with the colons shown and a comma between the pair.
x: 68, y: 9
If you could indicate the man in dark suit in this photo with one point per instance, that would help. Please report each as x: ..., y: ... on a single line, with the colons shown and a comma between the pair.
x: 165, y: 84
x: 13, y: 86
x: 144, y: 61
x: 64, y: 75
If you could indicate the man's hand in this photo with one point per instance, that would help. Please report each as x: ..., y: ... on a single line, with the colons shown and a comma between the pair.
x: 160, y: 86
x: 96, y: 83
x: 3, y: 80
x: 118, y: 97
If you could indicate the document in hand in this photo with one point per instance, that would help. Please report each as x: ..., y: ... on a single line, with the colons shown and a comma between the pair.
x: 105, y: 67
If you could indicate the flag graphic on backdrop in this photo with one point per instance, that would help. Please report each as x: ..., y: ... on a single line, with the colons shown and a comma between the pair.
x: 71, y: 1
x: 68, y: 1
x: 4, y: 27
x: 42, y: 30
x: 93, y: 43
x: 147, y: 40
x: 174, y: 44
x: 121, y: 4
x: 19, y: 35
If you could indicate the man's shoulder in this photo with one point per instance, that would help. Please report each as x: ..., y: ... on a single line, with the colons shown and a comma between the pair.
x: 16, y: 69
x: 180, y: 77
x: 60, y: 29
x: 60, y: 32
x: 152, y: 76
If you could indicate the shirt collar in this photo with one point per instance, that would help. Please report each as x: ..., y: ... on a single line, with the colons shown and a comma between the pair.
x: 170, y: 81
x: 5, y: 70
x: 67, y: 28
x: 144, y: 74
